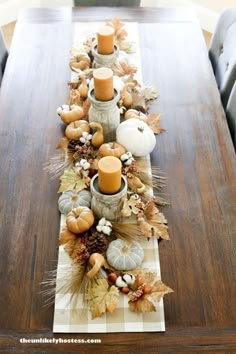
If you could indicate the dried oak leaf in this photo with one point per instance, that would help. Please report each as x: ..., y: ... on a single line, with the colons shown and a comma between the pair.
x: 153, y: 120
x: 101, y: 297
x: 70, y: 180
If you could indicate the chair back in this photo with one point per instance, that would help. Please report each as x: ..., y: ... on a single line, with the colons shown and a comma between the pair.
x: 3, y: 56
x: 222, y: 53
x: 231, y: 114
x: 107, y: 2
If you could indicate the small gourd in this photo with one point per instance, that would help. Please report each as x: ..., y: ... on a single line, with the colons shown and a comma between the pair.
x: 75, y: 129
x: 126, y: 95
x: 136, y: 137
x: 111, y: 149
x: 124, y: 256
x: 80, y: 220
x: 98, y: 137
x: 83, y: 88
x: 71, y: 199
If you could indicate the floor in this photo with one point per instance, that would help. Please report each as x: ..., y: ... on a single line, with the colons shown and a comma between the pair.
x: 8, y: 31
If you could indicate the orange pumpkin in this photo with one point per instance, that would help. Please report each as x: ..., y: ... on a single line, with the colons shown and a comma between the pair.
x: 75, y: 129
x: 79, y: 220
x: 111, y: 149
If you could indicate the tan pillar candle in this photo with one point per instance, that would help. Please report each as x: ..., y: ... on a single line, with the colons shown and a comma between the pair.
x: 105, y: 40
x: 103, y: 84
x: 109, y: 175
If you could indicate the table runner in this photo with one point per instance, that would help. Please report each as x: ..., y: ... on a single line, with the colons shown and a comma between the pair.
x: 72, y: 315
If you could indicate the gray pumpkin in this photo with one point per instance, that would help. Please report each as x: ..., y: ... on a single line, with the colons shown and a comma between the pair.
x: 124, y: 256
x: 71, y: 199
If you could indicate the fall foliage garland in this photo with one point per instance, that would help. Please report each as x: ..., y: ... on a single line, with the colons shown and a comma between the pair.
x: 77, y: 162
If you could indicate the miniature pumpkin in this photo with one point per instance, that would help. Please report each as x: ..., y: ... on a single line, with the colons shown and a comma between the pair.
x: 111, y: 149
x: 98, y: 137
x: 133, y: 113
x: 71, y: 199
x: 80, y: 220
x: 70, y: 114
x: 79, y: 62
x: 124, y: 256
x: 136, y: 137
x: 75, y: 129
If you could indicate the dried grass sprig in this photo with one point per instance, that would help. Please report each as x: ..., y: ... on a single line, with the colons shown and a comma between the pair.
x: 72, y: 279
x: 57, y: 163
x: 127, y: 232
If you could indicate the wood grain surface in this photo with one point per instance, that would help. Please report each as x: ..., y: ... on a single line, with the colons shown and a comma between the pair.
x: 195, y: 152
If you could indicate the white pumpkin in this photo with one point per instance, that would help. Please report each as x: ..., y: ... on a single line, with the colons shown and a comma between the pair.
x: 71, y: 199
x: 136, y: 137
x: 124, y: 256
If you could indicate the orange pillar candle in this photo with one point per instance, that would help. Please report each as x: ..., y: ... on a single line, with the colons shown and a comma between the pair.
x: 105, y: 40
x: 109, y: 175
x: 103, y: 84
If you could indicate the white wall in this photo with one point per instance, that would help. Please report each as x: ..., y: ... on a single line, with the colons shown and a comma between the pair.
x: 207, y: 10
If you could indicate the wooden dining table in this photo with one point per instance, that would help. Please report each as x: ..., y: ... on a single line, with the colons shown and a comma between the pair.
x: 195, y: 152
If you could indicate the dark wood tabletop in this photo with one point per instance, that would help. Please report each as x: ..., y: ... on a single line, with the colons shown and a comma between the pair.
x: 195, y: 152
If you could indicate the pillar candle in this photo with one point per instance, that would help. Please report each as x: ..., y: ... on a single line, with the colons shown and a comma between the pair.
x: 103, y: 84
x: 105, y: 40
x: 109, y: 175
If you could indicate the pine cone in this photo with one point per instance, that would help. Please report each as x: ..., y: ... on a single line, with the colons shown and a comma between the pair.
x: 73, y: 145
x: 84, y: 238
x: 81, y: 253
x: 97, y: 243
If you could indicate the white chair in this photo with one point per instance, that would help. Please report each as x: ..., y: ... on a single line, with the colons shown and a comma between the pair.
x: 231, y: 114
x: 3, y: 56
x: 222, y: 53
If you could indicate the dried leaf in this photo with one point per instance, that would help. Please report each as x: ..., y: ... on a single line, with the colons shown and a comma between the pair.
x: 130, y: 206
x: 70, y: 180
x: 120, y: 32
x: 149, y: 230
x: 101, y: 297
x: 149, y: 93
x: 152, y: 213
x: 142, y: 305
x: 153, y: 120
x: 122, y: 69
x: 89, y: 43
x: 138, y: 101
x: 159, y: 290
x: 143, y: 276
x: 63, y: 143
